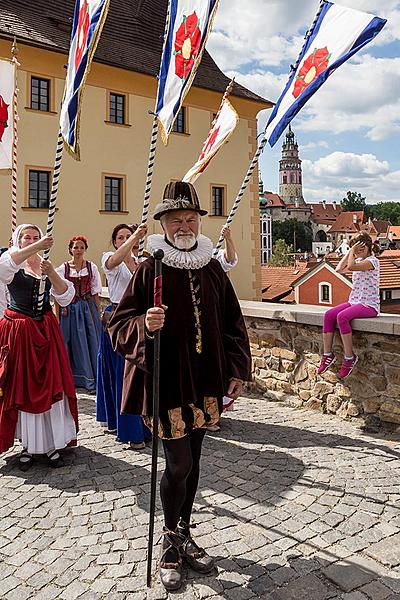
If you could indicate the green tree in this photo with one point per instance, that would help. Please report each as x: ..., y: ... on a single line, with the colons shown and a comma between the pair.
x: 292, y: 230
x: 387, y: 211
x: 282, y: 254
x: 353, y: 201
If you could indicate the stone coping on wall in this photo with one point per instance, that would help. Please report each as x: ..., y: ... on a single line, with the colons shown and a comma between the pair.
x: 307, y: 314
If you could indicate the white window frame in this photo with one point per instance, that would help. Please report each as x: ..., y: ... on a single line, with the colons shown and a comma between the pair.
x: 321, y: 301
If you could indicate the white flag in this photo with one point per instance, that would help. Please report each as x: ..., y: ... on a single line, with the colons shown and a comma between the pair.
x: 7, y: 88
x: 338, y: 34
x: 188, y: 26
x: 222, y: 128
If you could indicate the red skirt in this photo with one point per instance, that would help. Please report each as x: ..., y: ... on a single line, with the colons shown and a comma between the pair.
x: 34, y: 370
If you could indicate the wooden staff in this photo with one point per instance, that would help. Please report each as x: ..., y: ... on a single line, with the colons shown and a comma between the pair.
x: 158, y: 256
x: 263, y: 142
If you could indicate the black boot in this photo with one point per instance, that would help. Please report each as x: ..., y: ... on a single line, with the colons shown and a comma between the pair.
x: 196, y: 557
x: 170, y: 566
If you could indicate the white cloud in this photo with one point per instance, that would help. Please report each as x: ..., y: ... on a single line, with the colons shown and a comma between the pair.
x: 331, y: 176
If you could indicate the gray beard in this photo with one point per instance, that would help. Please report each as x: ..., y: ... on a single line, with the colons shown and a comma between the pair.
x: 184, y: 242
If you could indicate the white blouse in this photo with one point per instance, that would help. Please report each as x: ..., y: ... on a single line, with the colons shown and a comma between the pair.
x: 8, y: 268
x: 95, y: 284
x: 227, y: 266
x: 117, y: 278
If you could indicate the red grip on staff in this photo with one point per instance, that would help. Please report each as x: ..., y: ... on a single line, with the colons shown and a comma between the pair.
x: 158, y: 291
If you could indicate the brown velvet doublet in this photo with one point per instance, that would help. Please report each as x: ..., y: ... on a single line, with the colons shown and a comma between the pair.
x: 186, y: 377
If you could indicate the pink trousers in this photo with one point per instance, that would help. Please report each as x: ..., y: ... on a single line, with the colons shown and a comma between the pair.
x: 342, y: 314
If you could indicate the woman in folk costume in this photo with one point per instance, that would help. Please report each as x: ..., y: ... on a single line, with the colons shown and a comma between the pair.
x: 118, y: 267
x: 39, y: 403
x: 80, y: 321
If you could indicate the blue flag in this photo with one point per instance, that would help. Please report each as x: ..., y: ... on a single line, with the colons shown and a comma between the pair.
x: 89, y: 19
x: 339, y: 33
x: 188, y: 26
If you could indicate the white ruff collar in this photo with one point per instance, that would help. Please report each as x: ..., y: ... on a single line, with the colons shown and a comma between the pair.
x: 195, y: 259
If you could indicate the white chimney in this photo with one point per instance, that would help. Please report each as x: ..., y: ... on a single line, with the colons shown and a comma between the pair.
x: 296, y: 203
x: 334, y: 205
x: 324, y: 203
x: 355, y: 219
x: 369, y: 221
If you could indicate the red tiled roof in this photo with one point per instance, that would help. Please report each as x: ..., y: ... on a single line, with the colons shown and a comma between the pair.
x: 344, y: 222
x: 132, y: 36
x: 395, y: 230
x: 325, y: 215
x: 273, y: 199
x: 276, y: 282
x: 390, y: 254
x: 390, y: 274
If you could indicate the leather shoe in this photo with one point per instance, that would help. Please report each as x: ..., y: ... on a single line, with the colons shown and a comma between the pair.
x: 170, y: 566
x: 196, y: 557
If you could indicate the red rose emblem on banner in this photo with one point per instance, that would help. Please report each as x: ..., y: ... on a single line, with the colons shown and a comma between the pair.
x: 3, y: 117
x: 82, y: 33
x: 187, y: 45
x: 315, y: 64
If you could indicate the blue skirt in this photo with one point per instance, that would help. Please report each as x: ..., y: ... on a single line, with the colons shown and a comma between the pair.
x: 81, y: 329
x: 110, y: 377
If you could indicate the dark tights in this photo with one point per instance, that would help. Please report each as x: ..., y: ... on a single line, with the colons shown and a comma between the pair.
x: 181, y: 477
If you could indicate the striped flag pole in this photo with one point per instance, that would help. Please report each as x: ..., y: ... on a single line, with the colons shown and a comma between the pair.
x: 241, y: 192
x: 152, y: 157
x: 149, y: 179
x: 261, y: 146
x: 52, y: 210
x: 14, y: 51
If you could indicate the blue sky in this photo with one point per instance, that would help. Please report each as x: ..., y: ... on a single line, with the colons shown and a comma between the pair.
x: 349, y: 132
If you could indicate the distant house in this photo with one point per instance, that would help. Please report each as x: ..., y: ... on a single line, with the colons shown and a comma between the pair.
x: 347, y: 225
x: 322, y: 285
x: 394, y: 236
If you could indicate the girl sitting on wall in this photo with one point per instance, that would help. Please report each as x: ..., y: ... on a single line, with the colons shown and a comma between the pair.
x: 364, y: 302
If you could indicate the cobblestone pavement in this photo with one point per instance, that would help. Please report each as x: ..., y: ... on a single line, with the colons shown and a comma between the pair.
x: 295, y: 505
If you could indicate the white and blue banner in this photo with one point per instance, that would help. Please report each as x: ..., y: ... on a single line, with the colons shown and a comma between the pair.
x: 338, y: 34
x: 188, y: 25
x: 7, y: 90
x: 89, y: 18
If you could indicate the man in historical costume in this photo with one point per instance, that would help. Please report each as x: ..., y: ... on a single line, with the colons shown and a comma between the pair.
x: 205, y: 355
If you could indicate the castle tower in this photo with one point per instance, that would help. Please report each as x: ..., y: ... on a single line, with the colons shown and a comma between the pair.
x: 290, y: 176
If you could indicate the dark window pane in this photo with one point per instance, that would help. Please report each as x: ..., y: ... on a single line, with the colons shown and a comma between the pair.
x: 40, y: 94
x: 217, y: 208
x: 39, y: 189
x: 113, y: 194
x: 179, y: 125
x: 117, y: 108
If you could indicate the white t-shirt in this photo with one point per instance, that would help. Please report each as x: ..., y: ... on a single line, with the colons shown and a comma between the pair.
x: 95, y: 284
x: 117, y: 278
x: 366, y: 286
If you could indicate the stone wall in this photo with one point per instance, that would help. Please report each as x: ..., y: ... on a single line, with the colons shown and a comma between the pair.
x: 286, y: 344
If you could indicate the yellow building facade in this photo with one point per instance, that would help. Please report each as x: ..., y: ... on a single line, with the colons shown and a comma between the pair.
x: 110, y: 150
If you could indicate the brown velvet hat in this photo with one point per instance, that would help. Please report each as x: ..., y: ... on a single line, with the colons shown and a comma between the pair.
x: 178, y: 195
